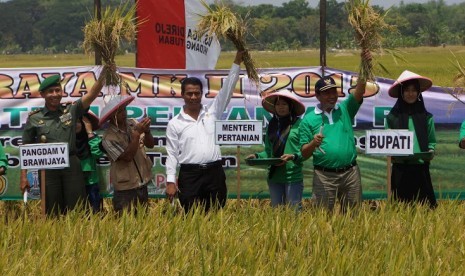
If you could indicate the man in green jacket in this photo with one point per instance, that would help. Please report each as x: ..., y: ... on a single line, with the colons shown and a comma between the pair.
x: 327, y: 134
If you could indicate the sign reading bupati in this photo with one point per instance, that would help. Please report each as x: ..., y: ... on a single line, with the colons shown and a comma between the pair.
x: 44, y: 156
x: 239, y: 132
x: 391, y: 142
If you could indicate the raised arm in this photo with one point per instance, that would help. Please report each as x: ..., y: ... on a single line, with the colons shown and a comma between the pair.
x: 361, y: 83
x: 224, y: 96
x: 88, y: 98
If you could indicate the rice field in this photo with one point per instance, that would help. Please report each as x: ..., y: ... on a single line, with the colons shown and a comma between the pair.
x: 245, y: 238
x: 434, y: 62
x: 248, y: 237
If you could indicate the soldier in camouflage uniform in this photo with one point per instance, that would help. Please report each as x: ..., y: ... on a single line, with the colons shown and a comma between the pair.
x: 53, y: 123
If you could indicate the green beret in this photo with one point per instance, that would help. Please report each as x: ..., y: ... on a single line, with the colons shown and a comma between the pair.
x: 49, y: 82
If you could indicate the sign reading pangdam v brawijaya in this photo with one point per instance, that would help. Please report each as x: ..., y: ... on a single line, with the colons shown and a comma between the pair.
x: 158, y: 94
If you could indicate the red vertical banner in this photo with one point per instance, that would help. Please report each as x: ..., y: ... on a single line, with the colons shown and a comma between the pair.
x: 167, y: 37
x: 161, y: 36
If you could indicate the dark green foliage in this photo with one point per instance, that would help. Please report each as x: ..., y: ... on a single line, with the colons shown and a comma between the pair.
x: 49, y: 26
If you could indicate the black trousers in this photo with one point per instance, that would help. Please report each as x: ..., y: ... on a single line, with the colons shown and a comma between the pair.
x: 129, y: 199
x: 204, y: 186
x: 412, y: 182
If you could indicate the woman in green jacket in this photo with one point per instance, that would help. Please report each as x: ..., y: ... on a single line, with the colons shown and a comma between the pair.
x: 285, y: 180
x: 411, y: 179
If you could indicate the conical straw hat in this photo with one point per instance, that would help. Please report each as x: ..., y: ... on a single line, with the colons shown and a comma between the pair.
x: 425, y: 83
x: 269, y: 101
x: 115, y: 102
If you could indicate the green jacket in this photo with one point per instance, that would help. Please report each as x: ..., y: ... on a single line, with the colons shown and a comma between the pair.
x: 291, y: 172
x: 3, y: 160
x: 89, y: 164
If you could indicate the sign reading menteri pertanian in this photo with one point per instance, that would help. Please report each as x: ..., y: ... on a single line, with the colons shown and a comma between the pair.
x: 44, y: 156
x: 390, y: 142
x: 241, y: 132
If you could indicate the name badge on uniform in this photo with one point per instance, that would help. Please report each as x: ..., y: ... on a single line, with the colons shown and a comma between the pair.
x: 66, y: 118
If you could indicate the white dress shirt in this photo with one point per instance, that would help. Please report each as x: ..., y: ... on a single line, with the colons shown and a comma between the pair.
x: 191, y: 141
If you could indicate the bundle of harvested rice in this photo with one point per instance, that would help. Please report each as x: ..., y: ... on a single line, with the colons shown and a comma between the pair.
x: 369, y: 26
x: 458, y: 90
x: 222, y: 22
x: 105, y: 35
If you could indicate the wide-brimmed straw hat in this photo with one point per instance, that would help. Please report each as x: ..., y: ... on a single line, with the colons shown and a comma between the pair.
x: 270, y: 100
x: 94, y: 121
x: 425, y: 83
x: 112, y: 105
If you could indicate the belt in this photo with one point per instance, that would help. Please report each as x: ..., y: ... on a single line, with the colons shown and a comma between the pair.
x: 336, y: 170
x: 203, y: 166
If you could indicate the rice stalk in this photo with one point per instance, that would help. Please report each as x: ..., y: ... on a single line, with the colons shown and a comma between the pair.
x: 394, y: 239
x: 458, y: 81
x: 368, y: 26
x: 105, y: 36
x: 224, y: 23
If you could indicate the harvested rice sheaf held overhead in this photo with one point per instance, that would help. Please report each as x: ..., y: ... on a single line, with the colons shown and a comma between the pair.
x: 105, y: 35
x: 369, y: 26
x: 222, y: 22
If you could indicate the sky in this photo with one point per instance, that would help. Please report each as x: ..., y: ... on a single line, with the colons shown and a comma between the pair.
x: 314, y: 3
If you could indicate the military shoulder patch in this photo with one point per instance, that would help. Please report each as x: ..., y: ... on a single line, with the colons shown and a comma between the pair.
x: 35, y: 111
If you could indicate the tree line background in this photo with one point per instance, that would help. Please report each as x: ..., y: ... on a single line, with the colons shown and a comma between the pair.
x: 52, y: 26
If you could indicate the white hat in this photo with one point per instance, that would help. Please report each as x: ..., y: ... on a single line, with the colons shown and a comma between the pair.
x: 94, y: 121
x: 425, y: 83
x: 270, y: 100
x: 115, y: 102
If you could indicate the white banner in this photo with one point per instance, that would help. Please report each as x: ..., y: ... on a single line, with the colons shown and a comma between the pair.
x: 158, y: 93
x: 393, y: 142
x: 238, y: 132
x: 44, y: 156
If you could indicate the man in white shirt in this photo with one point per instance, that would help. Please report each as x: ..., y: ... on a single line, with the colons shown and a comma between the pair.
x: 191, y: 143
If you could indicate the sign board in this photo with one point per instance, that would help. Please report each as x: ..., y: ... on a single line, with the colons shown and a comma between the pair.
x: 392, y: 142
x: 44, y: 156
x: 243, y: 132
